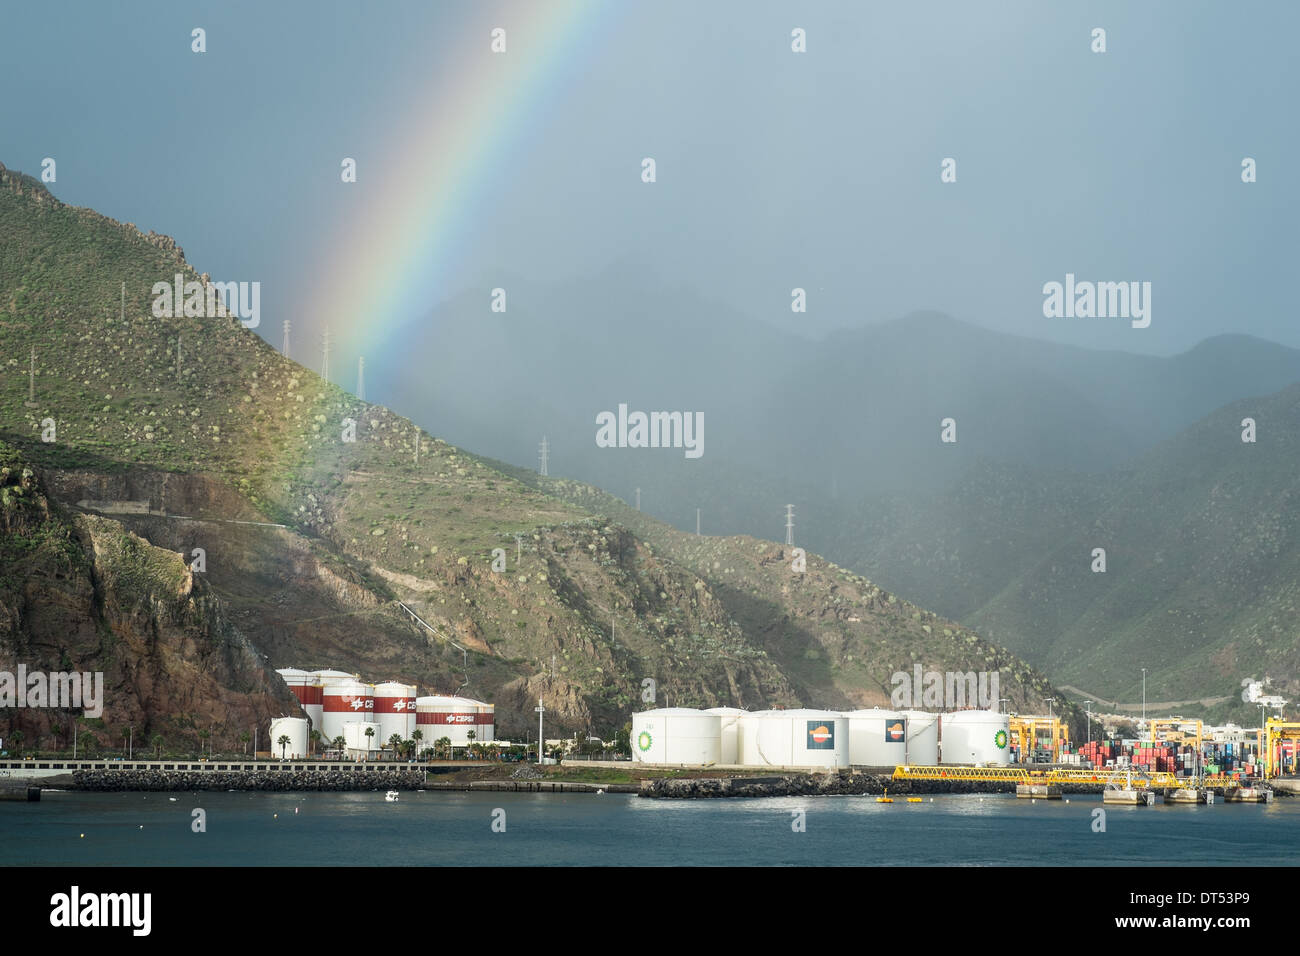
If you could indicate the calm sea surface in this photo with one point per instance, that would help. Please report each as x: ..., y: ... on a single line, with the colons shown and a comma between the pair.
x: 449, y: 828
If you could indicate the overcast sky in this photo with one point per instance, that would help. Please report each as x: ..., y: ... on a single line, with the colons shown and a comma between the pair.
x: 775, y: 169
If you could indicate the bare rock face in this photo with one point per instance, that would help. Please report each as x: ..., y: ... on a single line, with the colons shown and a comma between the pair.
x: 95, y: 598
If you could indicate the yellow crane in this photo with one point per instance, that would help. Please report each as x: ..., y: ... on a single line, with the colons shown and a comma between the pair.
x: 1027, y: 731
x: 1276, y: 731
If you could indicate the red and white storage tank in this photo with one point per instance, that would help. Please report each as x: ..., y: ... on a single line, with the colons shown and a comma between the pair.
x: 307, y: 688
x: 394, y: 710
x: 438, y: 716
x: 344, y: 702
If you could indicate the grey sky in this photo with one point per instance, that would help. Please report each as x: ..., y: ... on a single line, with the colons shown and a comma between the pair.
x: 775, y: 170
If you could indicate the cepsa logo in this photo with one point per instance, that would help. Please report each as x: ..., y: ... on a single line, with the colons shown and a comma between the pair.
x: 362, y: 703
x: 460, y: 718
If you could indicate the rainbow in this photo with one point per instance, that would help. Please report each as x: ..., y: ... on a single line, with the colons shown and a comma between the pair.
x: 390, y: 258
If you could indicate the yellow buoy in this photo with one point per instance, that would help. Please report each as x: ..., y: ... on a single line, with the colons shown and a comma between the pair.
x: 913, y: 799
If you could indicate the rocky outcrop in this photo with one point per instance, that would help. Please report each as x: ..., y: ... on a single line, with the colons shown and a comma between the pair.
x: 94, y: 598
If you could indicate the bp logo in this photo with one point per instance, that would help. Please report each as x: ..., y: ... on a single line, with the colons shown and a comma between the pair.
x: 1000, y: 738
x: 643, y: 741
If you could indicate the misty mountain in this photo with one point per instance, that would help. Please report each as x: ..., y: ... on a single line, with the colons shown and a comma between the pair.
x: 846, y: 428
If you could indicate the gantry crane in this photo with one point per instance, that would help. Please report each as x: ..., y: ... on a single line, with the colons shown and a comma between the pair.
x: 1027, y: 731
x: 1276, y: 731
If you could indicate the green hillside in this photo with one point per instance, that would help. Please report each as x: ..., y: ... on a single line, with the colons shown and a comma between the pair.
x: 316, y: 545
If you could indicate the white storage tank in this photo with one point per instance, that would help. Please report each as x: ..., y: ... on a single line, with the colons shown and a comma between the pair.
x: 440, y: 716
x: 395, y: 710
x: 355, y: 739
x: 676, y: 735
x: 730, y: 751
x: 295, y: 728
x: 975, y: 737
x: 345, y: 701
x: 922, y: 738
x: 877, y: 738
x: 794, y: 738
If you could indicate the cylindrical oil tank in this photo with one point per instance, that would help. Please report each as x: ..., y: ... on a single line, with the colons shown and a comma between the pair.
x: 487, y: 721
x: 327, y: 677
x: 439, y: 716
x: 730, y: 751
x: 395, y: 709
x: 355, y: 738
x: 309, y: 691
x: 345, y: 701
x: 794, y: 738
x: 295, y: 728
x: 877, y: 738
x: 922, y: 738
x: 975, y: 737
x: 676, y: 735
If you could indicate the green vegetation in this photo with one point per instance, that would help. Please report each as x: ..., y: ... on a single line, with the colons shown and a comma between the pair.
x: 599, y: 598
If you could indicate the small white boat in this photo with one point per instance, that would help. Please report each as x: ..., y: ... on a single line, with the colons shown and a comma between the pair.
x: 391, y: 796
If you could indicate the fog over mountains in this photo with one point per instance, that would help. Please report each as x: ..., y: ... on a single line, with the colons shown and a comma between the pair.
x: 1059, y: 450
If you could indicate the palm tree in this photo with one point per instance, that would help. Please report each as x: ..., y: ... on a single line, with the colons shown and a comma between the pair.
x: 339, y: 743
x: 17, y: 737
x: 284, y: 741
x: 203, y: 737
x: 395, y: 741
x: 157, y: 744
x: 470, y: 736
x: 370, y: 733
x: 417, y: 736
x: 315, y: 741
x: 443, y: 747
x: 244, y: 738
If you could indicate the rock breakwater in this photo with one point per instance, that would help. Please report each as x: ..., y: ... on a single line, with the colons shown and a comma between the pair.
x: 156, y: 780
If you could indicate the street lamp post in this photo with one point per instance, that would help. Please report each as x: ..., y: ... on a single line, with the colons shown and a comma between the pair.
x: 1144, y: 698
x: 130, y: 747
x: 1088, y: 707
x: 1049, y: 702
x: 540, y: 711
x: 1001, y: 701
